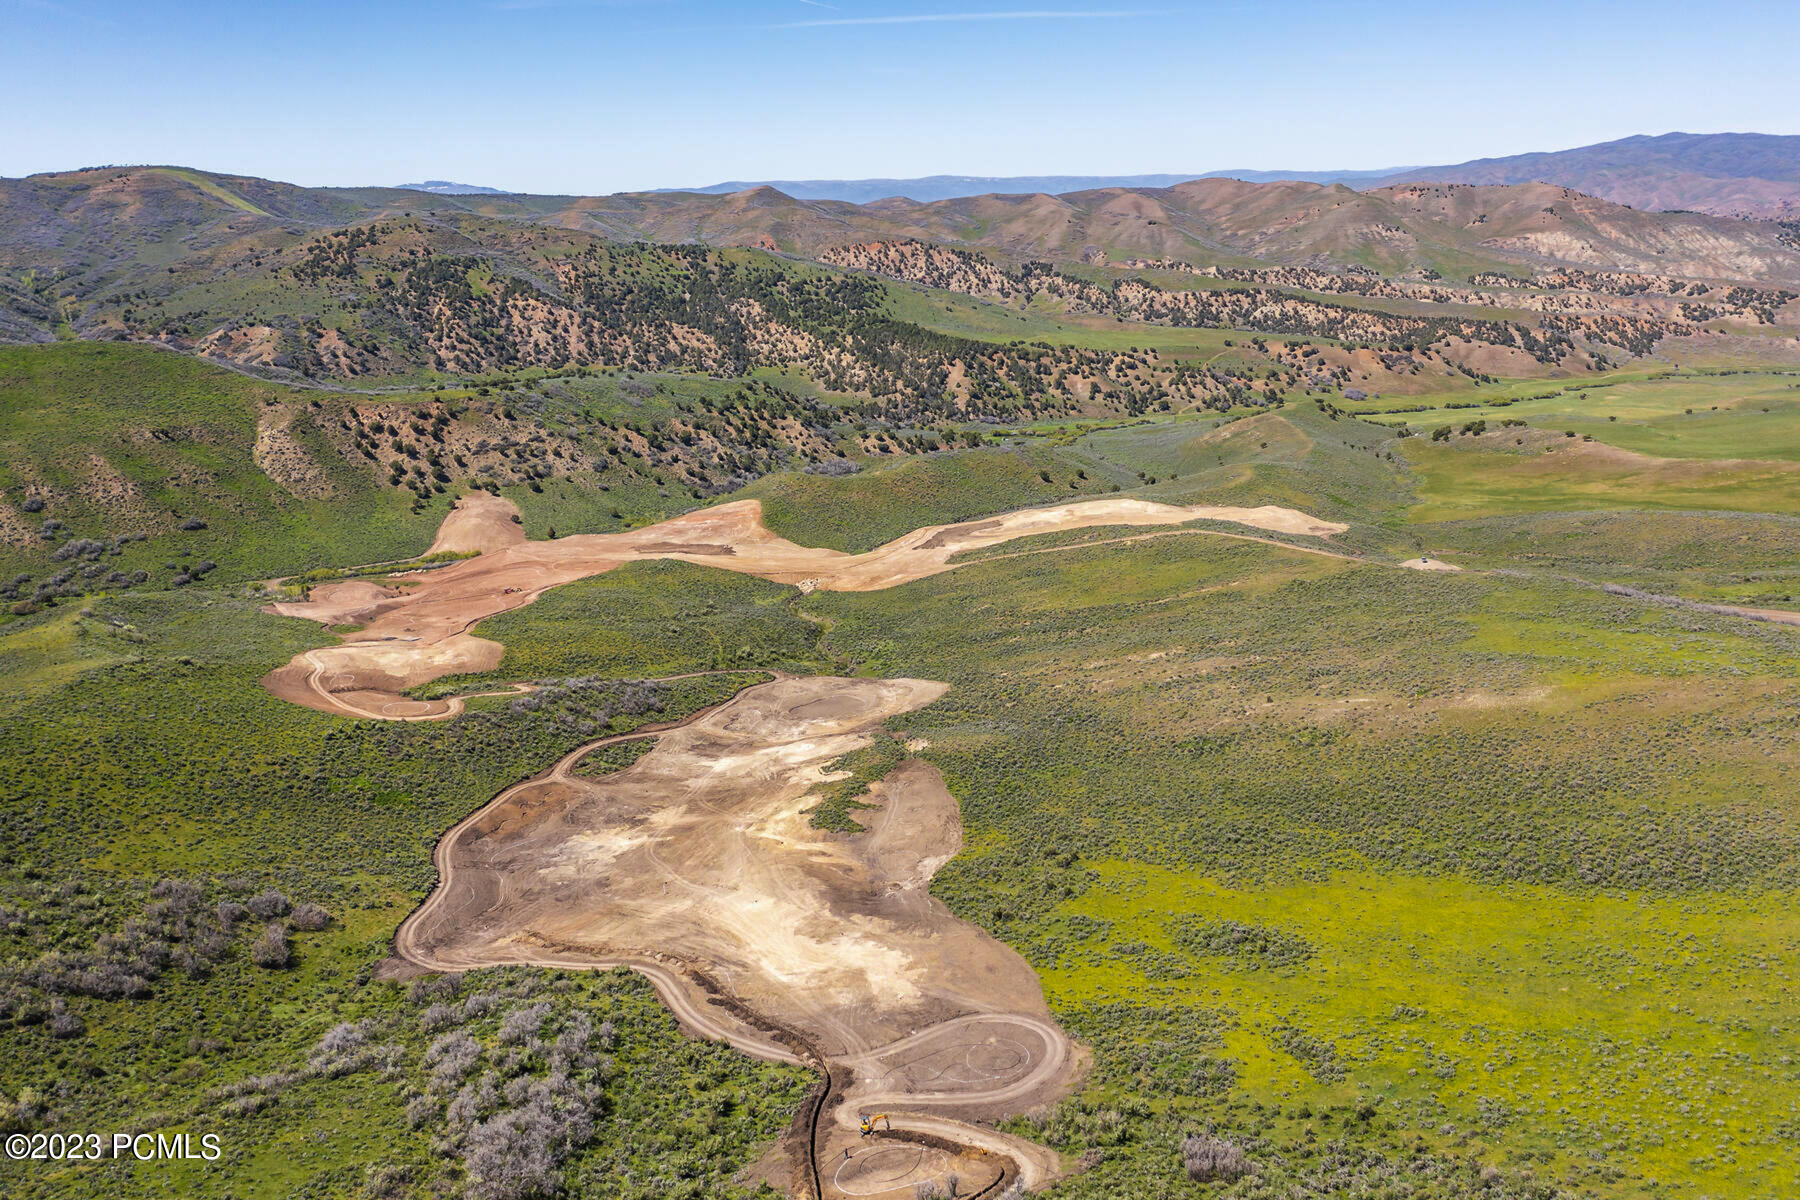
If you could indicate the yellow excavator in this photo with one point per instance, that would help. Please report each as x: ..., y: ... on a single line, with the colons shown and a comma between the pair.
x: 868, y: 1123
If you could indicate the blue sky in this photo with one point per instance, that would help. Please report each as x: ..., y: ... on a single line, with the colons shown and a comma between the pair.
x: 608, y: 95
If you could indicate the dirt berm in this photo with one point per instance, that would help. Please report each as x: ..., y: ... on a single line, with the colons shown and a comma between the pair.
x: 698, y: 861
x: 417, y: 630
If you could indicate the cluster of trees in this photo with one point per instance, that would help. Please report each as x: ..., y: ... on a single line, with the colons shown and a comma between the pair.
x: 1209, y: 1158
x: 1264, y: 309
x: 1736, y: 299
x: 87, y: 570
x: 1636, y: 336
x: 333, y: 255
x: 588, y: 704
x: 181, y: 927
x: 514, y: 1105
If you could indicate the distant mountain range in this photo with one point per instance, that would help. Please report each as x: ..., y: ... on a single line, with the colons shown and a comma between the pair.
x: 1753, y: 175
x: 138, y: 252
x: 126, y: 218
x: 1725, y: 174
x: 444, y: 187
x: 954, y: 187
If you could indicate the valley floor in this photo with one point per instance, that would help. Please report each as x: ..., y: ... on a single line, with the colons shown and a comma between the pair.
x: 1409, y: 812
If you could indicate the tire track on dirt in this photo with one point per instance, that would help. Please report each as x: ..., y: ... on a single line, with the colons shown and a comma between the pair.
x: 856, y: 1076
x: 411, y: 636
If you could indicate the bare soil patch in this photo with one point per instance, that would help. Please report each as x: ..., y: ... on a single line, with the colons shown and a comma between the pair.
x: 413, y: 635
x: 697, y: 865
x: 481, y: 523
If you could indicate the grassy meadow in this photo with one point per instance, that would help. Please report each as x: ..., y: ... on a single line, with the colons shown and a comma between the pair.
x: 1672, y: 443
x: 145, y: 760
x: 1413, y: 885
x: 1512, y: 863
x: 1455, y: 485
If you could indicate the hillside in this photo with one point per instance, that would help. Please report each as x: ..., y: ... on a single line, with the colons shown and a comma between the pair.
x: 156, y: 214
x: 1726, y: 174
x: 377, y: 284
x: 1394, y: 229
x: 950, y: 187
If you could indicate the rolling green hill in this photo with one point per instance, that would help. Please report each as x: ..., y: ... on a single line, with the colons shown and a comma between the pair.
x: 333, y: 281
x: 1414, y: 884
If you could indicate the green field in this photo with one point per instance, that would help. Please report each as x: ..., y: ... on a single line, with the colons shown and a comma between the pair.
x: 1484, y: 809
x: 1412, y: 885
x: 863, y: 511
x: 1489, y: 478
x: 950, y: 312
x: 648, y: 620
x: 150, y: 754
x: 1749, y: 415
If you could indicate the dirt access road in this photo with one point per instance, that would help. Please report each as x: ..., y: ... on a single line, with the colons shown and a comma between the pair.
x: 697, y: 865
x: 419, y: 631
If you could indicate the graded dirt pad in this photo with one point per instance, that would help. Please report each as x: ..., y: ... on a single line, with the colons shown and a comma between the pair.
x: 697, y: 865
x: 479, y: 522
x: 1781, y: 616
x: 417, y: 633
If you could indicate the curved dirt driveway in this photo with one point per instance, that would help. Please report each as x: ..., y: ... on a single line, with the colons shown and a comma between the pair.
x: 320, y: 673
x: 677, y: 992
x: 418, y: 629
x: 697, y: 866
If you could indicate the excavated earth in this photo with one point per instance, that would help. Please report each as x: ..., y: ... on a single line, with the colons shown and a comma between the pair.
x: 698, y: 866
x: 418, y: 629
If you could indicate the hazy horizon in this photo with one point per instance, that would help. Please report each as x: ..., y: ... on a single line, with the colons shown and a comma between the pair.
x: 596, y: 96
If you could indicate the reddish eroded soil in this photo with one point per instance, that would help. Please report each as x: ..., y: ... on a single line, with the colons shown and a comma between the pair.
x: 417, y: 633
x: 480, y: 523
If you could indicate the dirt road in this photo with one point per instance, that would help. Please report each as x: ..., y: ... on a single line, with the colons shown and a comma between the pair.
x: 417, y: 629
x: 697, y: 866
